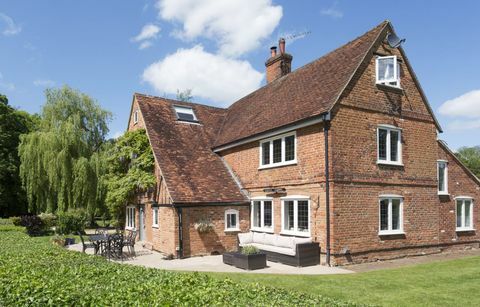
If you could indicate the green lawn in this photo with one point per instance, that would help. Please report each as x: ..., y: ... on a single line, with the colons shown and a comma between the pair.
x: 447, y: 283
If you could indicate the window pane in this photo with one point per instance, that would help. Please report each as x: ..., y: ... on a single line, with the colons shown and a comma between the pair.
x: 441, y: 176
x: 385, y: 69
x: 384, y: 214
x: 267, y: 213
x: 394, y: 135
x: 288, y: 215
x: 256, y: 214
x: 467, y: 205
x: 382, y: 144
x: 290, y: 148
x: 459, y: 213
x: 231, y: 220
x: 395, y: 214
x: 266, y: 153
x: 302, y: 215
x: 277, y: 151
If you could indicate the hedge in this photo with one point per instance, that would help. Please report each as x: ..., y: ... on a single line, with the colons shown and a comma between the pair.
x: 33, y: 271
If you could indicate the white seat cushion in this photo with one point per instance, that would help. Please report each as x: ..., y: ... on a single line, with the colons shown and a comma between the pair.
x: 269, y: 239
x: 284, y: 241
x: 245, y: 238
x: 302, y: 240
x: 276, y: 249
x: 259, y: 237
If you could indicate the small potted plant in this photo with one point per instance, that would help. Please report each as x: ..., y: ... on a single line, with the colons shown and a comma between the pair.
x: 204, y: 225
x: 250, y: 258
x: 58, y: 240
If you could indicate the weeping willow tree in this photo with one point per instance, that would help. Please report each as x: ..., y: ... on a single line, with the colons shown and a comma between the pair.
x: 130, y: 169
x: 60, y: 165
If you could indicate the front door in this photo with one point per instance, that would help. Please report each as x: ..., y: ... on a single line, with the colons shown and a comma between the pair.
x: 141, y: 224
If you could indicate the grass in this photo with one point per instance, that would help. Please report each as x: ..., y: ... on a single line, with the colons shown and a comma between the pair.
x: 446, y: 283
x: 35, y: 272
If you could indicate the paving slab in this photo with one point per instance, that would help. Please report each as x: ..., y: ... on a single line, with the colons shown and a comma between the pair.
x: 152, y: 259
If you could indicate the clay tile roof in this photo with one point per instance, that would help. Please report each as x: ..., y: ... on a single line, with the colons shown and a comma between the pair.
x: 304, y: 93
x: 192, y: 172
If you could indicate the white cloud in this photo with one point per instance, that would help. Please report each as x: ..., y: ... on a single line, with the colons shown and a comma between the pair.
x: 332, y: 11
x: 466, y: 105
x: 44, y: 83
x: 210, y: 76
x: 235, y: 25
x: 464, y: 124
x: 11, y: 28
x: 148, y: 33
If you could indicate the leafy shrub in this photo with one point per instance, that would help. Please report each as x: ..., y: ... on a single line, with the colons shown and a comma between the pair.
x: 250, y: 250
x: 34, y: 272
x: 33, y: 224
x: 71, y: 222
x: 16, y: 220
x: 48, y: 219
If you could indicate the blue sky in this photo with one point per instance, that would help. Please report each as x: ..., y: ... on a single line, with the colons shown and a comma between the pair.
x: 111, y: 49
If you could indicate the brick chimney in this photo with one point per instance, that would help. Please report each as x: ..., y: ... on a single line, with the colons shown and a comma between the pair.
x: 280, y: 64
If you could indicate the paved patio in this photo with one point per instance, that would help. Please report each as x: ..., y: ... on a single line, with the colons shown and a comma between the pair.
x: 152, y: 259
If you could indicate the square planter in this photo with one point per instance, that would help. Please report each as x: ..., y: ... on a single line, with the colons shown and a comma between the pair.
x: 69, y: 241
x: 250, y: 262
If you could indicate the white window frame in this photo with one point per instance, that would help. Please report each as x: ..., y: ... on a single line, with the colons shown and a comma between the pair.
x: 396, y: 71
x: 389, y: 161
x: 390, y: 231
x: 185, y: 110
x: 262, y: 227
x: 155, y: 211
x: 131, y: 223
x: 462, y: 227
x: 282, y: 162
x: 135, y: 117
x: 445, y: 162
x: 230, y: 212
x: 295, y: 232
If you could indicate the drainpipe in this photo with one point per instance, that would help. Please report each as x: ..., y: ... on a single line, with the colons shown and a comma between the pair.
x: 180, y: 233
x: 326, y: 128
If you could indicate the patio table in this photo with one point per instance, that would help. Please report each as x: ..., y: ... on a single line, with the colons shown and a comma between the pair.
x: 96, y: 239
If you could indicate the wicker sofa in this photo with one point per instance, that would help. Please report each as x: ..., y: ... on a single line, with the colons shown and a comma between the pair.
x: 284, y: 249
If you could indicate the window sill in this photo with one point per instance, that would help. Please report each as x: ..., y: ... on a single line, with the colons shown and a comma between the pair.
x: 465, y: 229
x: 387, y: 87
x: 390, y: 233
x: 233, y: 230
x: 296, y: 233
x: 262, y: 230
x: 130, y: 228
x: 380, y: 162
x: 293, y: 162
x: 155, y: 226
x: 443, y: 194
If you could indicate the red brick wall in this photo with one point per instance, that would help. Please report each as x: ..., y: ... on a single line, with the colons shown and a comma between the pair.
x: 460, y: 183
x: 216, y: 241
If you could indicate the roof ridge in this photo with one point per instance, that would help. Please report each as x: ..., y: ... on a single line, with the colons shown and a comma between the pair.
x: 178, y: 101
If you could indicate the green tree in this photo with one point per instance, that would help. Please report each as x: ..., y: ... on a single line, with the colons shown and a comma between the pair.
x: 130, y: 169
x: 13, y: 123
x: 470, y: 156
x: 185, y: 95
x: 59, y: 162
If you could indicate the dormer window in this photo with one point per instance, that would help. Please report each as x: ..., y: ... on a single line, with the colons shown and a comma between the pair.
x: 185, y: 114
x: 388, y: 71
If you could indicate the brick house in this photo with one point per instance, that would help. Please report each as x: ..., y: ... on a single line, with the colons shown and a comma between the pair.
x: 343, y: 150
